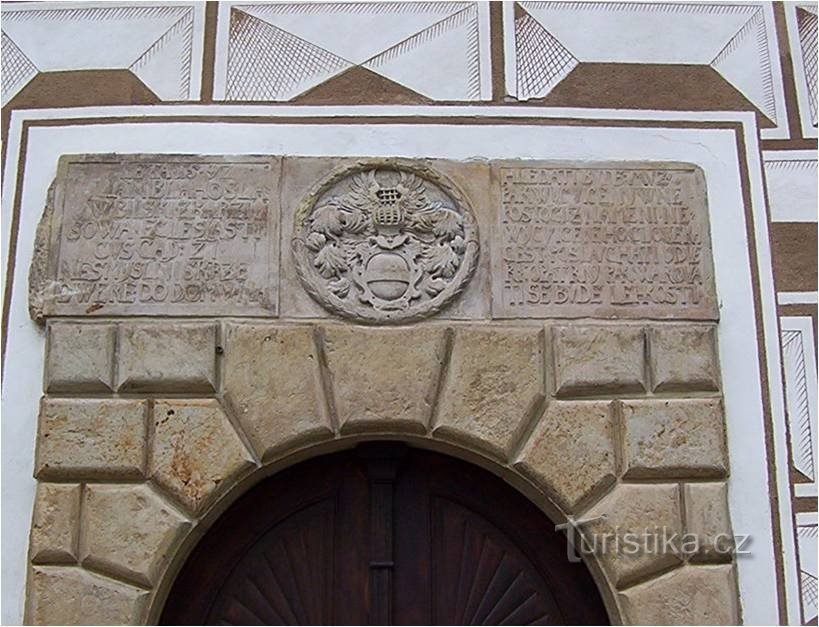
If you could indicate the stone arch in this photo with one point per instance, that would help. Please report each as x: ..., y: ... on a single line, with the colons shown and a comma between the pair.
x: 602, y: 422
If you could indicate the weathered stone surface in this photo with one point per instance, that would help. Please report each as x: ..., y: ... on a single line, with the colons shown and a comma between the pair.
x: 55, y: 523
x: 158, y: 234
x: 628, y: 529
x: 80, y: 357
x: 413, y: 232
x: 164, y: 357
x: 692, y: 595
x: 495, y: 380
x: 570, y: 454
x: 706, y: 517
x: 128, y: 531
x: 90, y: 439
x: 684, y: 358
x: 384, y: 379
x: 272, y: 382
x: 60, y: 595
x: 302, y: 175
x: 195, y: 453
x: 683, y: 438
x: 598, y: 359
x: 608, y: 240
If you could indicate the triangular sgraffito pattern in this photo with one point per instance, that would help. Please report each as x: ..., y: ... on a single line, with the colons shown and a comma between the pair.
x: 745, y: 62
x: 173, y: 50
x: 798, y: 405
x: 373, y: 27
x: 542, y: 61
x: 441, y: 62
x: 267, y: 63
x: 17, y: 68
x: 807, y: 26
x: 809, y: 594
x: 806, y: 537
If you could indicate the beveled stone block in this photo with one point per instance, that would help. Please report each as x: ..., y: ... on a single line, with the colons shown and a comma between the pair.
x: 55, y: 523
x: 384, y: 379
x: 128, y: 531
x: 189, y: 235
x: 272, y: 382
x: 90, y: 439
x: 592, y: 360
x: 164, y: 357
x: 629, y: 527
x: 80, y: 357
x: 195, y: 453
x: 706, y: 517
x: 691, y: 595
x: 684, y: 358
x: 495, y: 381
x: 65, y: 595
x: 571, y: 452
x: 675, y: 438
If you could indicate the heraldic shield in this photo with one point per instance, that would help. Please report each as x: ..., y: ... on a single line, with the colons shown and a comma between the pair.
x: 385, y: 242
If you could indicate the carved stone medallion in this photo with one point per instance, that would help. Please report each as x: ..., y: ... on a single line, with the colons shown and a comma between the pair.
x: 385, y: 242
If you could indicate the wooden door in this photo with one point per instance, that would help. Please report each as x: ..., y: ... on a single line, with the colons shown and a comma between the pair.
x: 384, y: 534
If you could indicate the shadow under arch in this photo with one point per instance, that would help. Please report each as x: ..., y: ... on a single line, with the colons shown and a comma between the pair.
x: 519, y: 485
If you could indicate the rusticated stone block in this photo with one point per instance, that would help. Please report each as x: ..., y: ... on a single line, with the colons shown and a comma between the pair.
x: 55, y: 523
x: 272, y: 382
x: 598, y: 359
x: 128, y: 531
x: 164, y: 357
x: 80, y: 357
x: 706, y: 517
x: 630, y: 527
x: 65, y: 595
x: 570, y: 454
x: 680, y: 438
x: 384, y: 379
x: 90, y: 439
x: 194, y: 451
x: 684, y: 358
x: 495, y: 380
x: 692, y: 595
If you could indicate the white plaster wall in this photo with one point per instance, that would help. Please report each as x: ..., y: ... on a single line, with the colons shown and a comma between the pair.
x: 714, y: 151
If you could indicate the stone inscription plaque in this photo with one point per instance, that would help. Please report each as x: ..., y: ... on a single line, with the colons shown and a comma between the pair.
x: 158, y: 235
x: 615, y: 240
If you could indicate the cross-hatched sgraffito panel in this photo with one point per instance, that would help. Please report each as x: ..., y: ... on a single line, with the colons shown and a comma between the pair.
x: 806, y: 537
x: 156, y: 43
x: 559, y: 50
x: 425, y: 50
x: 799, y: 366
x: 806, y: 20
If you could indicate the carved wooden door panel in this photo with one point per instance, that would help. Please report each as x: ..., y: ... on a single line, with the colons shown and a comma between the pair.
x: 384, y: 534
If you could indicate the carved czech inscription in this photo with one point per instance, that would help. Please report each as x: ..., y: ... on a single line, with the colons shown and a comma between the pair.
x: 385, y: 241
x: 604, y: 241
x: 162, y: 235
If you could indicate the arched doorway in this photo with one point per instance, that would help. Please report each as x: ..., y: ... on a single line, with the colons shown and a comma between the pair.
x: 383, y: 534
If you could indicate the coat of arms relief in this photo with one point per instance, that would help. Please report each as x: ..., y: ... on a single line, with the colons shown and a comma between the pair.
x: 385, y: 242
